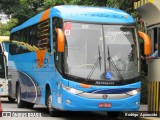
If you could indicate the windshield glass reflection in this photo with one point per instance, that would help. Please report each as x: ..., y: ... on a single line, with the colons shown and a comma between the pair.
x: 86, y: 51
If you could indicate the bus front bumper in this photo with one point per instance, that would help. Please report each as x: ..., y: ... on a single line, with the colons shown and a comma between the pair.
x: 78, y: 103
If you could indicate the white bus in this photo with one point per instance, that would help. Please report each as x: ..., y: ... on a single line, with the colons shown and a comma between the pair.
x: 4, y: 42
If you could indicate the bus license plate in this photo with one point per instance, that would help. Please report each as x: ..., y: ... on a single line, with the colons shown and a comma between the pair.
x: 104, y: 105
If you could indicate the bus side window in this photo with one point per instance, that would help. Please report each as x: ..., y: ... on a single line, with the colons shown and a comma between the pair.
x: 24, y: 35
x: 43, y: 35
x: 58, y: 57
x: 13, y: 36
x: 0, y: 49
x: 12, y: 49
x: 32, y: 35
x: 2, y: 67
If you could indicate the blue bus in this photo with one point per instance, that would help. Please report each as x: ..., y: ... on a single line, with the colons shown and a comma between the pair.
x: 76, y: 58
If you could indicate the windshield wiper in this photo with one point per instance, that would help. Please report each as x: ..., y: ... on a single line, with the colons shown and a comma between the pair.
x: 99, y: 57
x: 114, y: 65
x: 95, y: 65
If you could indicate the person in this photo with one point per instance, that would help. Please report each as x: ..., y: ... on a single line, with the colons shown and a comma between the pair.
x: 153, y: 56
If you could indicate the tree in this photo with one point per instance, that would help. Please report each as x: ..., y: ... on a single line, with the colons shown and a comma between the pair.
x: 17, y: 8
x: 6, y: 28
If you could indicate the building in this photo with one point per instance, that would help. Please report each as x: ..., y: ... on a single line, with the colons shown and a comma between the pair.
x: 150, y: 11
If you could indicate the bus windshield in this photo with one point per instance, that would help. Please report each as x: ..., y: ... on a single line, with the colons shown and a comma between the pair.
x: 93, y: 50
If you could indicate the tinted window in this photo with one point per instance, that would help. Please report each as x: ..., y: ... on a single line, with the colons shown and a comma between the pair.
x: 31, y: 39
x: 57, y: 23
x: 2, y: 68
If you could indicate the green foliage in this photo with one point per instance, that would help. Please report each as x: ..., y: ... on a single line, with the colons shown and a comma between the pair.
x: 80, y: 2
x: 49, y: 3
x: 19, y: 9
x: 6, y: 28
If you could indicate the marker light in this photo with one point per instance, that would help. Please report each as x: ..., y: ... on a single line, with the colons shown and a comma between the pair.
x: 68, y: 102
x: 137, y: 103
x: 71, y: 90
x: 67, y: 26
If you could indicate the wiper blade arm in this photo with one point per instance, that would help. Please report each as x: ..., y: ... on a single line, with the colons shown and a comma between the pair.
x: 93, y: 69
x: 99, y: 57
x: 116, y: 68
x: 95, y: 65
x: 114, y: 65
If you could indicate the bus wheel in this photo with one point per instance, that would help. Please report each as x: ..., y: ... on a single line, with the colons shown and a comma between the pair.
x: 20, y: 103
x: 52, y: 111
x: 11, y: 100
x: 29, y: 105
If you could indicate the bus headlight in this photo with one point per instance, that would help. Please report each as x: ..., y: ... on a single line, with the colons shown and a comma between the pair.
x: 133, y: 92
x: 71, y: 90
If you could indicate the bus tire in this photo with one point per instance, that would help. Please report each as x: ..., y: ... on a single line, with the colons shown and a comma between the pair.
x: 29, y: 105
x: 11, y: 100
x: 52, y: 111
x: 20, y: 103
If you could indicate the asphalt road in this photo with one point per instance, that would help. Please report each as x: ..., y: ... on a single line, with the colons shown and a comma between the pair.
x: 28, y: 114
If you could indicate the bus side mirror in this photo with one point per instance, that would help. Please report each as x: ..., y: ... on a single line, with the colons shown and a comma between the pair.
x: 147, y: 42
x: 60, y: 39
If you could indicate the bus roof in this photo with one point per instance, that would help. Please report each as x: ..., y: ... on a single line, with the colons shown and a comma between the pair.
x: 81, y: 13
x: 4, y: 38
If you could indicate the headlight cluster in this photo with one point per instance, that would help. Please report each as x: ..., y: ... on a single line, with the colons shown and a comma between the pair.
x: 71, y: 90
x: 133, y: 92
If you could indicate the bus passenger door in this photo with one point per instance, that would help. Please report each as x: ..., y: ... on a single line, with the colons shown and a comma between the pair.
x: 3, y: 74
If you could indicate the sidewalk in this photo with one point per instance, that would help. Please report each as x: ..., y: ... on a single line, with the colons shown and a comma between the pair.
x: 143, y: 107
